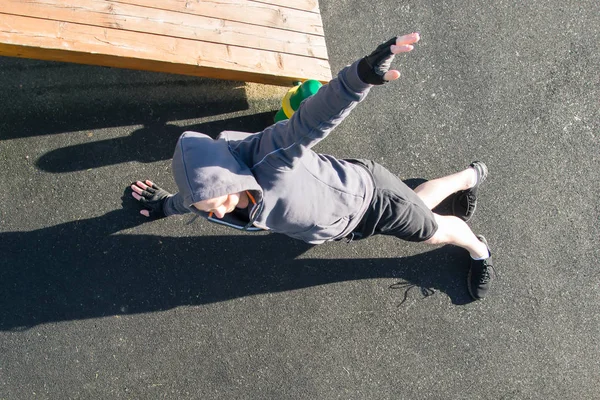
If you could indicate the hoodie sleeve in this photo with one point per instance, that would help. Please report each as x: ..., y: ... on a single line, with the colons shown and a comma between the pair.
x: 315, y: 118
x: 174, y: 205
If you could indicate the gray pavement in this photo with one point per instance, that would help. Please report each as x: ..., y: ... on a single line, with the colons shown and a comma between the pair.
x: 97, y: 304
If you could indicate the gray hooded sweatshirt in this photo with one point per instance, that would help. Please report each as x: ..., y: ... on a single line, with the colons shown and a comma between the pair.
x: 297, y: 192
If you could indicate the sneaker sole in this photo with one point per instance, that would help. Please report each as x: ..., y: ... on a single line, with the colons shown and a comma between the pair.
x: 463, y: 217
x: 484, y: 172
x: 482, y: 177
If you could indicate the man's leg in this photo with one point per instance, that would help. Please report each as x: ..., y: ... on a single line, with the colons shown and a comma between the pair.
x: 404, y: 213
x: 433, y: 192
x: 453, y: 230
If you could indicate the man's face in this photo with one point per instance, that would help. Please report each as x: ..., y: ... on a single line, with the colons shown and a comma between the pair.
x: 219, y: 206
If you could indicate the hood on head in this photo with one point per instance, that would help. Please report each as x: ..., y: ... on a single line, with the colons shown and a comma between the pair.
x: 204, y: 168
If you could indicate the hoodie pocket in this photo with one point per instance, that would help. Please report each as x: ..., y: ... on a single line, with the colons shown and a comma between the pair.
x: 320, y: 233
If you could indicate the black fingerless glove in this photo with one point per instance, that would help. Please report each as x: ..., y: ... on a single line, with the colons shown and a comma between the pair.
x: 373, y: 67
x: 153, y: 199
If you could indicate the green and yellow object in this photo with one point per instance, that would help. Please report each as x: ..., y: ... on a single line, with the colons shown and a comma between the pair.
x: 296, y: 95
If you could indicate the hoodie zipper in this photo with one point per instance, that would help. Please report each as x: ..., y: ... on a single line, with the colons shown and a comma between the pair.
x: 254, y: 213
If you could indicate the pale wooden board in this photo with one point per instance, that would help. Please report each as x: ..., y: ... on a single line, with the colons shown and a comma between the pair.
x: 134, y: 18
x: 246, y: 11
x: 64, y: 41
x: 306, y: 5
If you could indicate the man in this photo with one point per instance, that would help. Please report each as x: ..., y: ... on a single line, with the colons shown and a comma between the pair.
x: 273, y: 180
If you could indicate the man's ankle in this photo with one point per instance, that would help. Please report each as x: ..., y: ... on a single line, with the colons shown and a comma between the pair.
x: 482, y: 252
x: 472, y: 177
x: 486, y: 256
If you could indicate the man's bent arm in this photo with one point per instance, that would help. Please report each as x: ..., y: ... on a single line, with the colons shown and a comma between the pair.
x: 173, y: 205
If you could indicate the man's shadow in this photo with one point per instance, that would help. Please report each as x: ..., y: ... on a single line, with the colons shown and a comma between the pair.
x: 82, y: 269
x: 46, y: 98
x: 152, y: 143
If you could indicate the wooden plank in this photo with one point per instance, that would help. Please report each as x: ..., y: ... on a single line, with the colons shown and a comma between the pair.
x: 305, y: 5
x: 64, y: 41
x: 128, y: 63
x: 249, y: 12
x: 110, y: 14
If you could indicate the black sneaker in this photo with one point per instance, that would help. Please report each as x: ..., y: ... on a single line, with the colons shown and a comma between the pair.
x: 465, y: 201
x: 481, y: 274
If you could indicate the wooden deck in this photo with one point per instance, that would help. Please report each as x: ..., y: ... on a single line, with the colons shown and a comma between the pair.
x: 271, y: 41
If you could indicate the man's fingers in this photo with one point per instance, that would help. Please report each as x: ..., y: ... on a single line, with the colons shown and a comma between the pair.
x: 141, y: 184
x: 404, y: 44
x: 137, y: 189
x: 391, y: 75
x: 411, y: 38
x: 136, y: 196
x: 143, y: 191
x: 404, y: 48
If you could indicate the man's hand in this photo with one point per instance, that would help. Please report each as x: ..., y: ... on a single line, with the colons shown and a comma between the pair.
x: 151, y: 196
x: 375, y: 68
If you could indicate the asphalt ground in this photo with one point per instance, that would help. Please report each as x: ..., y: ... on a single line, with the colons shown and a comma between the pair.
x: 96, y: 303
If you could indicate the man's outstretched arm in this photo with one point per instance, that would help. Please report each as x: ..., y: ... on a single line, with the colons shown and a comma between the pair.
x: 318, y: 115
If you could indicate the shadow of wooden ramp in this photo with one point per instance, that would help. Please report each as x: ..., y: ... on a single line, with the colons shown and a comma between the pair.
x: 271, y: 41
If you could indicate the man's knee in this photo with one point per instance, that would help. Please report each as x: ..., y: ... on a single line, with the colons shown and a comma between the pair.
x: 437, y: 238
x: 440, y: 236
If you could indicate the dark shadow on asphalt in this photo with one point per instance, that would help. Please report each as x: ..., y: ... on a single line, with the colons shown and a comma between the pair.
x: 82, y: 269
x: 150, y: 144
x: 44, y: 98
